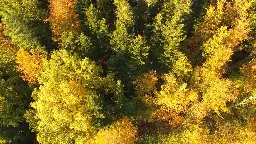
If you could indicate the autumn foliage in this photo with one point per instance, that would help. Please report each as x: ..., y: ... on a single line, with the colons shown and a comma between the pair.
x: 30, y: 64
x: 63, y: 17
x: 127, y: 71
x: 119, y: 132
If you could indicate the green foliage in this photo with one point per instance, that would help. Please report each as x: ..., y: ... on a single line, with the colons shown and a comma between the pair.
x: 76, y: 44
x: 169, y: 33
x: 14, y: 100
x: 69, y: 102
x: 123, y: 40
x: 127, y: 71
x: 24, y: 23
x: 96, y: 27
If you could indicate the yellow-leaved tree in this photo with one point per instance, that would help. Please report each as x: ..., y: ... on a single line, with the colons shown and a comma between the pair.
x: 30, y: 64
x: 120, y: 132
x: 63, y: 17
x: 65, y: 103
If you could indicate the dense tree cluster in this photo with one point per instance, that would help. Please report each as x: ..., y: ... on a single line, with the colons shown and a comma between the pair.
x: 127, y: 71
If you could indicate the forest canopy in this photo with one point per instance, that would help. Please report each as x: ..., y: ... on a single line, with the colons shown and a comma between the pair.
x: 127, y: 71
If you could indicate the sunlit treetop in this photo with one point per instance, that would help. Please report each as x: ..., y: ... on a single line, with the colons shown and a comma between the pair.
x: 119, y: 132
x: 169, y: 31
x: 66, y: 99
x: 123, y: 38
x: 30, y: 64
x: 63, y: 17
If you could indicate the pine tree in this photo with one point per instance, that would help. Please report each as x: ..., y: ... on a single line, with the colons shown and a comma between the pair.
x: 130, y: 51
x: 96, y: 27
x: 77, y: 44
x: 123, y: 39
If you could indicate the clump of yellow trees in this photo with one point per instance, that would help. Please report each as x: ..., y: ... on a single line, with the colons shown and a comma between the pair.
x: 127, y: 71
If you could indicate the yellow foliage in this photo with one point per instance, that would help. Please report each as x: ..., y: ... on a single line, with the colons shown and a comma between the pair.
x: 218, y: 47
x: 2, y: 141
x: 209, y: 26
x: 233, y: 133
x: 192, y: 134
x: 120, y: 132
x: 65, y: 101
x: 196, y: 134
x: 63, y: 110
x: 249, y: 71
x: 216, y: 52
x: 237, y: 18
x: 30, y: 64
x: 145, y: 84
x: 214, y: 91
x: 6, y: 47
x: 175, y: 119
x: 175, y: 95
x: 231, y: 14
x: 63, y: 17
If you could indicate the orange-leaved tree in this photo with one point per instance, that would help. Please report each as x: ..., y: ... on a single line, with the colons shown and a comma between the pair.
x: 30, y: 64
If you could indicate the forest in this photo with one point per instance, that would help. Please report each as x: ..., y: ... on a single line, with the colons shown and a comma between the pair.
x: 127, y: 71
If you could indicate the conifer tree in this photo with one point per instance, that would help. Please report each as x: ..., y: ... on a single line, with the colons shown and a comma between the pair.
x: 77, y: 44
x: 96, y: 27
x: 130, y: 51
x: 169, y: 32
x: 127, y: 71
x: 23, y: 23
x: 123, y: 39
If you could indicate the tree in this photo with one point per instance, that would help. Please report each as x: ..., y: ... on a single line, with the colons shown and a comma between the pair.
x: 23, y: 23
x: 30, y: 64
x: 67, y: 105
x: 168, y: 34
x: 96, y: 27
x: 123, y: 39
x: 128, y: 71
x: 14, y: 97
x: 121, y: 131
x: 78, y: 44
x: 130, y: 52
x: 63, y: 17
x: 175, y: 95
